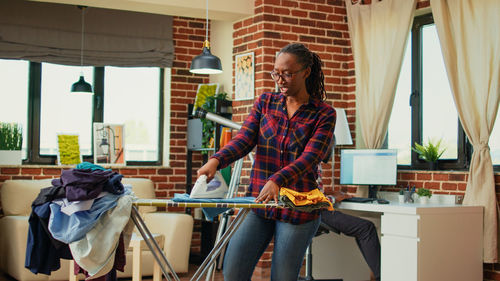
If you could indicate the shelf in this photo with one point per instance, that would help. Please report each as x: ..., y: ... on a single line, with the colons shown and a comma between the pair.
x: 201, y: 149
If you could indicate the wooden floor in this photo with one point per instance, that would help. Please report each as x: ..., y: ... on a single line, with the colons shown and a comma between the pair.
x: 192, y: 269
x: 182, y: 276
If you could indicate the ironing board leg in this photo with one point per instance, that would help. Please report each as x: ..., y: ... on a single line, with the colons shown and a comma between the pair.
x: 152, y: 245
x: 220, y: 244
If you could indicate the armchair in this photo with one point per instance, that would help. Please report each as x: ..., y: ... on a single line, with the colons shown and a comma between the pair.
x: 16, y: 199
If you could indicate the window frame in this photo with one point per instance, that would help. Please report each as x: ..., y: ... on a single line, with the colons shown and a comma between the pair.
x: 464, y: 147
x: 34, y: 117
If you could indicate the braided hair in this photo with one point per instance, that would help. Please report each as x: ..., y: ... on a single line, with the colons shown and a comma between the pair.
x: 315, y: 84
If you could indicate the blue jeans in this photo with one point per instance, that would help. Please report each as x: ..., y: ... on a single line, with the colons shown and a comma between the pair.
x: 251, y: 240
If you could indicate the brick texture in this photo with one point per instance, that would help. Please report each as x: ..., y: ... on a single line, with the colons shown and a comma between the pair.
x: 322, y: 26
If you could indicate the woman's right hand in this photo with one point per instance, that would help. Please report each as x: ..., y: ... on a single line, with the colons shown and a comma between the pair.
x: 209, y: 169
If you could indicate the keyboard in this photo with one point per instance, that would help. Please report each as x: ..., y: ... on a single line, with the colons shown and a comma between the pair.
x: 359, y: 200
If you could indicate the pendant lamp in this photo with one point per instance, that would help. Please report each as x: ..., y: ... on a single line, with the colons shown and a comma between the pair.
x: 206, y: 63
x: 81, y: 86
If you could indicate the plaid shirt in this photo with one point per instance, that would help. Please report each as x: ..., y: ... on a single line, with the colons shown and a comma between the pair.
x: 288, y: 150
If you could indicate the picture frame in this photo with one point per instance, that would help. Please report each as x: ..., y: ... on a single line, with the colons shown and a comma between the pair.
x: 68, y: 149
x: 109, y: 144
x: 276, y: 87
x: 244, y: 77
x: 204, y: 91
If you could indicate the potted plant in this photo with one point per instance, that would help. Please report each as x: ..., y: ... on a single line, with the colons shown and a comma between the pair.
x: 401, y: 196
x: 11, y: 142
x: 430, y: 152
x: 208, y: 127
x: 424, y: 195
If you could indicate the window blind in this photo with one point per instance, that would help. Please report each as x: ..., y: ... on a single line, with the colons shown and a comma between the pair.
x: 50, y: 32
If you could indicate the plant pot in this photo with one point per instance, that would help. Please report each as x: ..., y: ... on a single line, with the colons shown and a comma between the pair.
x: 401, y: 198
x: 433, y: 166
x: 11, y: 157
x: 423, y: 199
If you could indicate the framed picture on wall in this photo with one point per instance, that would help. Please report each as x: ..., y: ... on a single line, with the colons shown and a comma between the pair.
x: 109, y: 144
x: 68, y: 150
x: 204, y: 91
x: 244, y: 77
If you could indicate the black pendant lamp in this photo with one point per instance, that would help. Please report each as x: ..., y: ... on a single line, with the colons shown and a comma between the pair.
x: 81, y: 86
x: 206, y: 63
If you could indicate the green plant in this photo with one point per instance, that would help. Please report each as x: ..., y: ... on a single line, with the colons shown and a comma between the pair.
x: 424, y: 192
x: 208, y: 127
x: 11, y: 136
x: 430, y: 152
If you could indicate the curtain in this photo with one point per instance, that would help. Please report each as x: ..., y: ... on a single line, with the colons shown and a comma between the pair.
x: 378, y: 36
x: 470, y: 42
x: 48, y: 32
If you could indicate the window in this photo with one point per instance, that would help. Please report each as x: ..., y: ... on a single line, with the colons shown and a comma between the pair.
x: 136, y: 104
x: 424, y: 100
x: 39, y: 97
x: 62, y: 112
x: 14, y: 76
x: 399, y: 133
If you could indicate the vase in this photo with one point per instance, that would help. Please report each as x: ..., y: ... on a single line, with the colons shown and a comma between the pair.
x: 423, y: 199
x: 401, y: 198
x: 11, y: 157
x: 433, y: 166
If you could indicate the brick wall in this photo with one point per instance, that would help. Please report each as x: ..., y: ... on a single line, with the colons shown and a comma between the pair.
x: 322, y: 26
x: 188, y: 35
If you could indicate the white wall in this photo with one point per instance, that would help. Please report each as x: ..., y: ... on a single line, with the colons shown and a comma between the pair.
x: 221, y: 45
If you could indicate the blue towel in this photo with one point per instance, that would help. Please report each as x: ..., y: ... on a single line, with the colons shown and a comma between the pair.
x: 210, y: 213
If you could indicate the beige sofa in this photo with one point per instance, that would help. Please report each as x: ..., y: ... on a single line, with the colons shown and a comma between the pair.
x: 16, y: 198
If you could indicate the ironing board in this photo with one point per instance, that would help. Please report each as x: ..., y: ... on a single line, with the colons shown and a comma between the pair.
x: 158, y: 254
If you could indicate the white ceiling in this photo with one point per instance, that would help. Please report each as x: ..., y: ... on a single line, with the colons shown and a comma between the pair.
x: 222, y: 10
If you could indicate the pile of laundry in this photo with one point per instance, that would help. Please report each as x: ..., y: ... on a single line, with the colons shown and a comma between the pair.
x: 84, y: 216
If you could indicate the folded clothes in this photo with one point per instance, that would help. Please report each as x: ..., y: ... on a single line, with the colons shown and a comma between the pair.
x: 304, y: 208
x: 305, y: 201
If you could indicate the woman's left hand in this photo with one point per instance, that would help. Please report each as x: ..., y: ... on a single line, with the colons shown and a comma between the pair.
x: 270, y: 191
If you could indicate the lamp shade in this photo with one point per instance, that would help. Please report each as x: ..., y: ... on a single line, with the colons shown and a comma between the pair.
x: 206, y: 63
x: 342, y: 132
x: 81, y: 86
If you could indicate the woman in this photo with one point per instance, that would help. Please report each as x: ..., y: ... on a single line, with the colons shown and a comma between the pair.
x: 291, y: 131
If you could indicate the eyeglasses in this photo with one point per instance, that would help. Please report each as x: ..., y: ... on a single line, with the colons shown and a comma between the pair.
x: 284, y: 76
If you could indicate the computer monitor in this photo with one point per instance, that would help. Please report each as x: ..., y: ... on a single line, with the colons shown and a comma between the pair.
x: 372, y: 167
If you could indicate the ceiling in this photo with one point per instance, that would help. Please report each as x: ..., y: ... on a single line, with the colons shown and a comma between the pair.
x: 217, y: 9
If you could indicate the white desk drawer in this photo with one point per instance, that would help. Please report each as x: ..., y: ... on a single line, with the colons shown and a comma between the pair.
x: 401, y: 225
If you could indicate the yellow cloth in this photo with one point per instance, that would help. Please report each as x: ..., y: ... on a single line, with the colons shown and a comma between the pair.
x: 312, y: 197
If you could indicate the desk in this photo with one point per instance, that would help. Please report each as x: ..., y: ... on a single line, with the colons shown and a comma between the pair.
x: 420, y: 242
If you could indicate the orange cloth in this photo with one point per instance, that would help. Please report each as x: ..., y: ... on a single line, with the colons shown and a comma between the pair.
x: 225, y: 136
x: 312, y: 197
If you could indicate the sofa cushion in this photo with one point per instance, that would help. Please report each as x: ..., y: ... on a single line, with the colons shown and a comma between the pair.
x: 142, y: 188
x: 17, y: 195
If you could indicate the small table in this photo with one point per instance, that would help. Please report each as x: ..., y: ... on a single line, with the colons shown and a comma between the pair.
x: 137, y: 243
